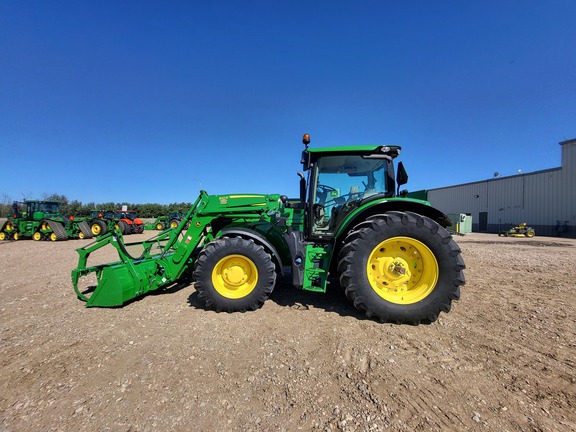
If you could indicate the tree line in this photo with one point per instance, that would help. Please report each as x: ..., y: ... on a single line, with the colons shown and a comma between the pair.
x: 79, y: 209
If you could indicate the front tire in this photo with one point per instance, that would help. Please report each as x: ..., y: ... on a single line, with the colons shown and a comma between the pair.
x: 401, y: 267
x: 234, y: 274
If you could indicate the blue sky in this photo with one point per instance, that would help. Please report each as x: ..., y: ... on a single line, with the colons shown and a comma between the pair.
x: 149, y: 101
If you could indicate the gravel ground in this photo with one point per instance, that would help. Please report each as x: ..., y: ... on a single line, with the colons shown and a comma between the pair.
x: 502, y: 359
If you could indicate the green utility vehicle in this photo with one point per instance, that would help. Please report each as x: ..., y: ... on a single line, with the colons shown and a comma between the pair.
x: 41, y: 220
x: 392, y: 255
x: 163, y: 222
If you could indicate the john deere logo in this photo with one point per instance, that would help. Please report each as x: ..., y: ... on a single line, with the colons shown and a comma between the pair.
x: 223, y: 200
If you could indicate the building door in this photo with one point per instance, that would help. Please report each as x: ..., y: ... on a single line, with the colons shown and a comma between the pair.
x: 483, y: 222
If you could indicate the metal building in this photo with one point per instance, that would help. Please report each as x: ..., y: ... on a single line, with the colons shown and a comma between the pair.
x: 545, y: 200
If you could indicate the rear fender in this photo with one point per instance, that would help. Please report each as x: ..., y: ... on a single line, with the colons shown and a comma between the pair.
x: 361, y: 217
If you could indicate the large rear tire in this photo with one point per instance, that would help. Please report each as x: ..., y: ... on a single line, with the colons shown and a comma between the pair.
x: 401, y: 267
x: 124, y: 227
x: 234, y: 274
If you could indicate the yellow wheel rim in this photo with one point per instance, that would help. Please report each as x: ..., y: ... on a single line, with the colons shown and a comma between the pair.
x: 235, y: 276
x: 2, y: 236
x: 45, y: 226
x: 53, y: 237
x: 174, y: 225
x: 159, y: 226
x: 80, y: 235
x: 9, y: 226
x: 37, y: 236
x: 530, y: 234
x: 15, y: 236
x: 402, y: 270
x: 96, y: 229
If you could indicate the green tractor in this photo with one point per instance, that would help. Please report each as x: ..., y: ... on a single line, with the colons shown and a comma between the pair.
x: 41, y: 220
x: 163, y: 222
x: 392, y: 255
x: 103, y: 221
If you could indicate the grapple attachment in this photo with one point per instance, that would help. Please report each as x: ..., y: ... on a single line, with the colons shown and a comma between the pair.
x: 142, y: 267
x: 118, y: 282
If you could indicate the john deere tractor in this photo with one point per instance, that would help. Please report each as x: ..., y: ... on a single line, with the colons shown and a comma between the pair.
x: 102, y: 221
x: 391, y: 254
x: 170, y: 221
x: 41, y: 220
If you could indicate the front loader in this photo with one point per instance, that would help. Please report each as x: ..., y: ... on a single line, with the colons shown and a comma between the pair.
x: 392, y: 254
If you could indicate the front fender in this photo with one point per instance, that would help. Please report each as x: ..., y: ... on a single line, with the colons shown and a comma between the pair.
x: 258, y: 238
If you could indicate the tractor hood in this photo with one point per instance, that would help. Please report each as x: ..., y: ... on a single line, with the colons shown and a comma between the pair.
x: 241, y: 203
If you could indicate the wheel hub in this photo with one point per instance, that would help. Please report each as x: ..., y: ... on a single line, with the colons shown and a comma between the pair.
x: 402, y: 270
x: 398, y: 267
x: 235, y: 275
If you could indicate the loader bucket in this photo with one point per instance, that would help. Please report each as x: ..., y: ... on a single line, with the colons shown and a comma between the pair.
x: 116, y: 286
x: 115, y: 283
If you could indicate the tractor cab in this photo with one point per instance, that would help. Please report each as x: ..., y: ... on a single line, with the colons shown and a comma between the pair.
x: 102, y: 214
x: 341, y: 179
x: 39, y: 210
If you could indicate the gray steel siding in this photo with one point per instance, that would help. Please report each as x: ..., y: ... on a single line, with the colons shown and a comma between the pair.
x: 540, y: 198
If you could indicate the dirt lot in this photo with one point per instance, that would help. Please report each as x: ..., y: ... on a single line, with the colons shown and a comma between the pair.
x: 503, y: 359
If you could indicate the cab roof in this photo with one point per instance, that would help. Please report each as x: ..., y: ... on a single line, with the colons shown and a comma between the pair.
x: 368, y: 148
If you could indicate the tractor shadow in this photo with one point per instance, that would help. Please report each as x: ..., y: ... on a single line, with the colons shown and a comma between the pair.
x: 333, y: 300
x: 285, y: 295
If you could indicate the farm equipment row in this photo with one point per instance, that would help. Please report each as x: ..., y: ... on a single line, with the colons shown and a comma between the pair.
x: 392, y: 254
x: 41, y: 220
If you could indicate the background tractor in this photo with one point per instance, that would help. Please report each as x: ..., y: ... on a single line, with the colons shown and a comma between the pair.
x: 392, y: 255
x: 41, y: 220
x: 133, y: 225
x: 102, y: 221
x: 170, y: 221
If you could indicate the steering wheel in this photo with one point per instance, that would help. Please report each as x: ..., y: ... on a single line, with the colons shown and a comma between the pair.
x: 325, y: 188
x: 323, y: 192
x: 342, y: 199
